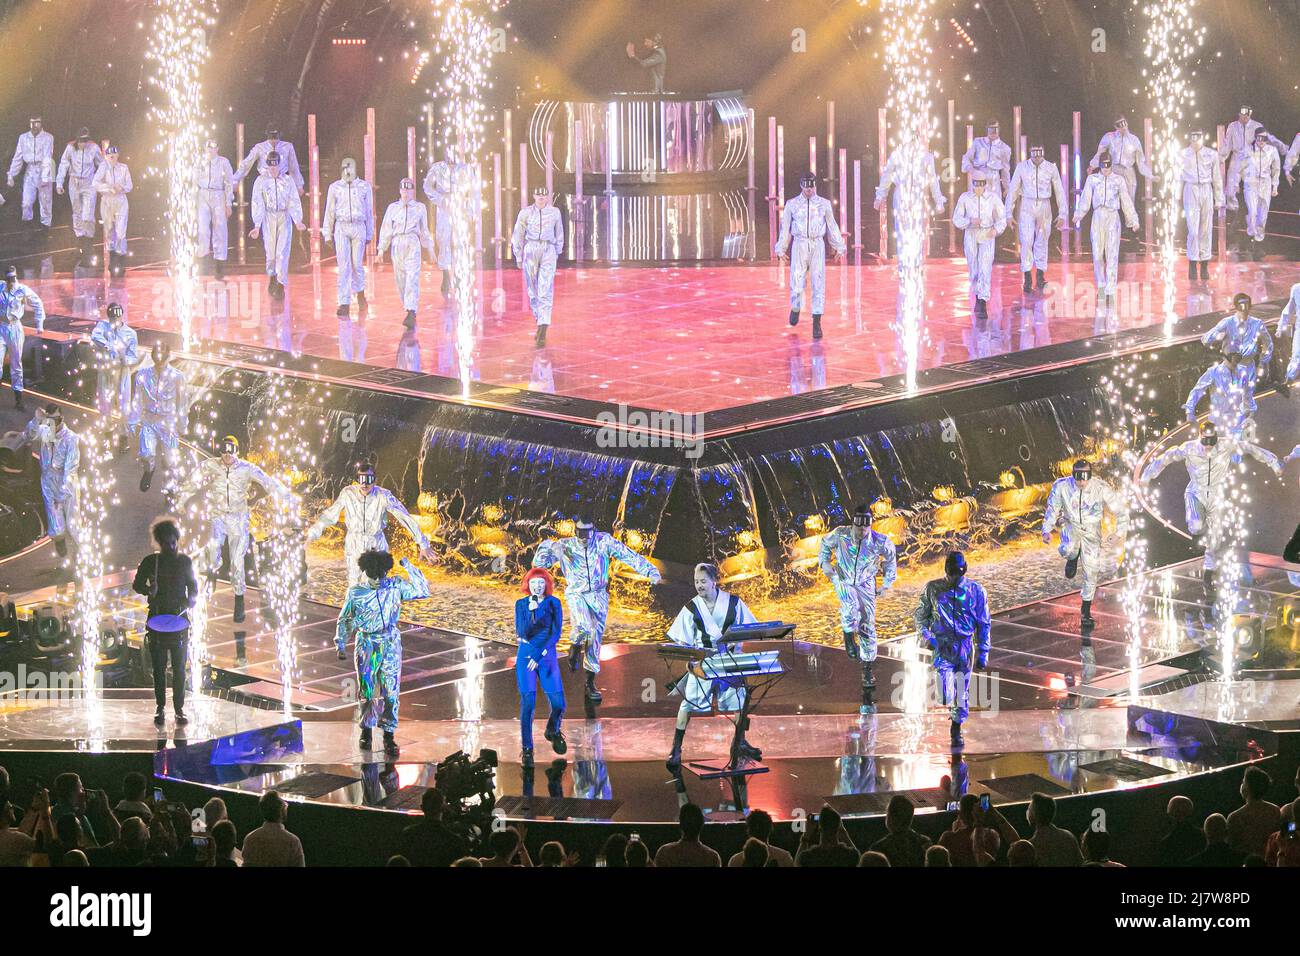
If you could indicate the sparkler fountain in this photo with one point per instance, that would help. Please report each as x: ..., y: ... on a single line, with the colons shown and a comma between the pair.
x: 179, y: 49
x: 1172, y: 39
x: 906, y: 60
x: 94, y: 490
x: 463, y: 42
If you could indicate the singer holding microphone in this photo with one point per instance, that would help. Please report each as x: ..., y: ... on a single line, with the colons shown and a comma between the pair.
x: 539, y: 619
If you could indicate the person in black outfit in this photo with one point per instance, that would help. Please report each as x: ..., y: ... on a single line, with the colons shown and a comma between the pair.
x: 431, y: 842
x: 167, y: 579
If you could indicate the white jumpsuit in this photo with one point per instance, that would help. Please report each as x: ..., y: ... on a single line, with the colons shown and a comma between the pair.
x: 277, y: 208
x: 216, y: 197
x: 438, y: 186
x: 60, y: 454
x: 406, y: 228
x: 1287, y: 323
x: 853, y: 575
x: 993, y: 159
x: 12, y: 307
x: 159, y: 411
x: 78, y: 166
x: 1208, y: 481
x: 1202, y: 194
x: 1035, y: 185
x: 1248, y: 338
x: 1125, y: 151
x: 1237, y: 141
x: 288, y: 161
x: 698, y: 692
x: 806, y: 225
x: 226, y: 509
x: 1232, y: 398
x: 365, y: 512
x: 117, y: 356
x: 350, y: 221
x: 34, y: 158
x: 1107, y: 197
x: 1260, y: 168
x: 113, y: 182
x: 537, y: 241
x: 982, y: 219
x: 1079, y: 512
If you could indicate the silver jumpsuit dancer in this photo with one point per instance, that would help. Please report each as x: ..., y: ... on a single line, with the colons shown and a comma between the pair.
x: 406, y: 229
x: 1035, y: 183
x: 982, y: 218
x: 1078, y: 503
x: 350, y: 224
x: 537, y: 240
x: 80, y: 161
x: 15, y: 300
x: 117, y: 354
x: 807, y: 223
x: 1202, y: 195
x: 160, y: 407
x: 1106, y: 194
x: 60, y: 454
x: 34, y: 158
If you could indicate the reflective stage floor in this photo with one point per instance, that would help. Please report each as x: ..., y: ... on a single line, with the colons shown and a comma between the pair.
x: 681, y: 337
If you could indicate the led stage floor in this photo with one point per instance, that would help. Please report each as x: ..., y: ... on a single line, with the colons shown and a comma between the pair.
x: 687, y: 338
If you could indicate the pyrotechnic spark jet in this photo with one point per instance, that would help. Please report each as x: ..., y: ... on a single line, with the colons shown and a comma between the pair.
x: 178, y: 47
x: 1173, y: 37
x: 463, y: 44
x: 906, y: 59
x: 1121, y: 431
x: 94, y: 490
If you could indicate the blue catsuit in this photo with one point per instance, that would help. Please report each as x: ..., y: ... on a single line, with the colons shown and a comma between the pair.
x: 538, y: 632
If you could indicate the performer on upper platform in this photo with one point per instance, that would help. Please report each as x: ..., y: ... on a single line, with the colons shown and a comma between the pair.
x: 406, y: 228
x: 81, y: 160
x: 350, y: 225
x: 117, y: 354
x: 113, y: 183
x: 1106, y: 194
x: 365, y: 507
x: 1202, y: 195
x: 1244, y: 334
x: 890, y: 186
x: 1259, y: 175
x: 1078, y: 502
x: 953, y: 619
x: 982, y: 217
x: 440, y: 186
x: 1238, y: 137
x: 704, y: 622
x: 655, y: 60
x: 15, y: 299
x: 851, y: 557
x: 1125, y: 151
x: 1034, y: 184
x: 537, y: 240
x: 808, y: 221
x: 59, y: 449
x: 260, y: 154
x: 370, y: 614
x: 34, y: 158
x: 276, y: 209
x: 585, y: 561
x: 216, y: 200
x: 1208, y: 460
x: 989, y: 155
x: 1230, y: 383
x: 539, y: 621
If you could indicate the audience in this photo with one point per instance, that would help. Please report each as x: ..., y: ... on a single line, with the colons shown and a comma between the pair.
x: 1096, y: 849
x: 903, y: 846
x: 826, y: 843
x: 16, y: 847
x: 688, y: 850
x: 271, y: 844
x: 1053, y: 846
x: 638, y: 855
x: 1216, y: 852
x: 873, y: 858
x: 1250, y: 826
x: 758, y: 825
x: 507, y: 846
x: 1022, y: 854
x: 431, y: 842
x: 959, y: 841
x: 614, y: 853
x: 937, y: 856
x: 1184, y: 840
x: 133, y: 803
x: 224, y: 853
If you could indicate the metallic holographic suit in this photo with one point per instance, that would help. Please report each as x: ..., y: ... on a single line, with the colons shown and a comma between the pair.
x: 698, y: 692
x: 78, y: 166
x: 1079, y: 511
x: 117, y: 355
x: 854, y: 579
x: 982, y: 219
x: 1260, y: 169
x: 365, y: 512
x: 277, y: 209
x: 350, y: 224
x: 1208, y: 481
x: 807, y: 224
x: 406, y: 229
x: 34, y: 158
x: 954, y: 622
x: 1125, y: 151
x: 585, y: 564
x: 537, y: 241
x: 1286, y: 325
x: 12, y: 306
x: 60, y: 454
x: 538, y: 632
x: 288, y: 161
x: 1202, y: 194
x: 439, y: 186
x: 370, y: 613
x: 1232, y: 398
x: 1249, y: 338
x: 992, y: 157
x: 226, y: 490
x: 1107, y: 197
x: 216, y: 197
x: 113, y: 182
x: 159, y: 410
x: 1035, y: 184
